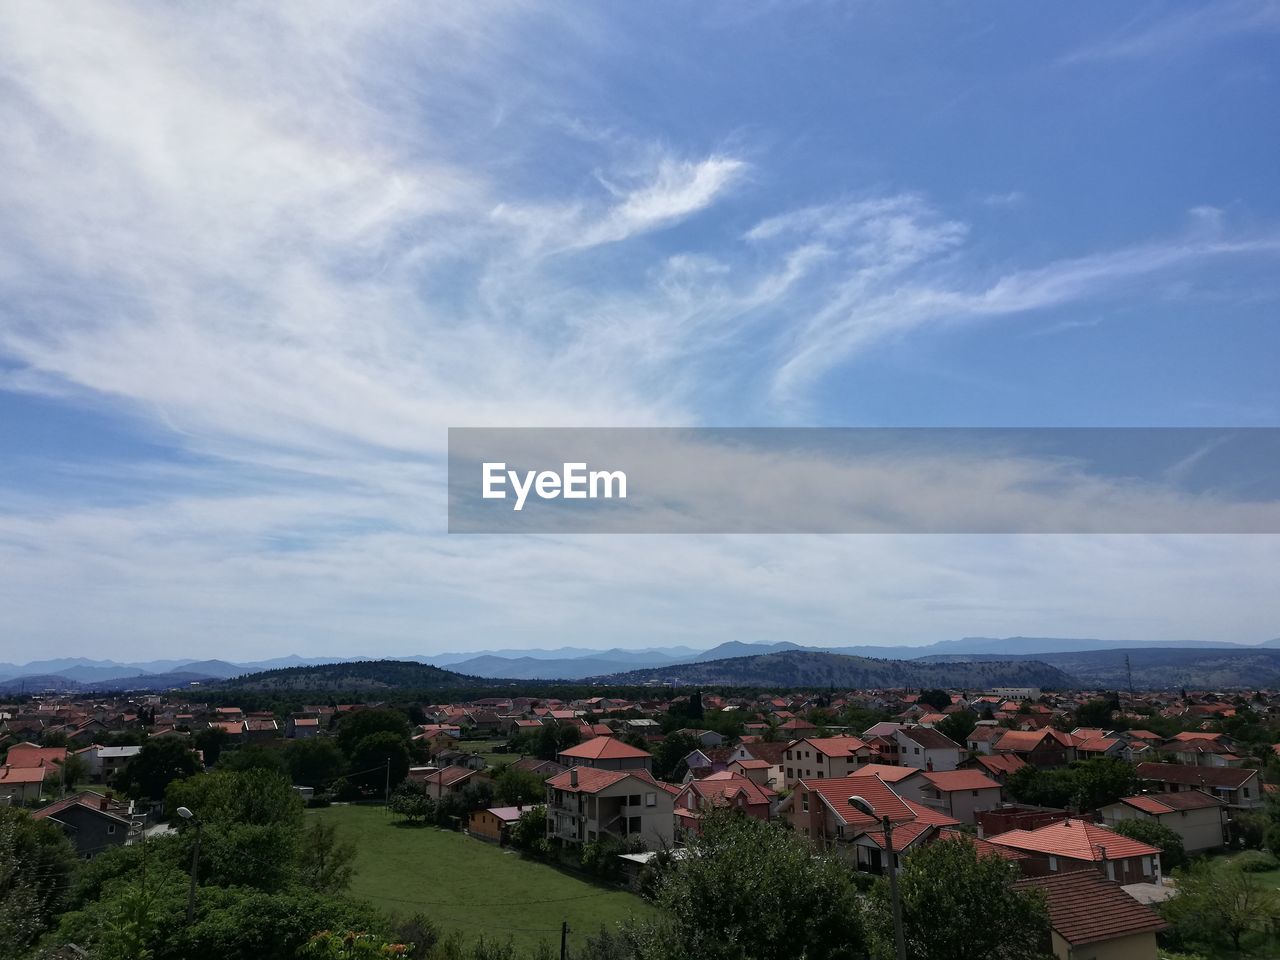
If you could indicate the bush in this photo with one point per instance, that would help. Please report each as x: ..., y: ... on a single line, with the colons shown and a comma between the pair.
x: 1172, y: 852
x: 1251, y: 830
x: 1255, y: 861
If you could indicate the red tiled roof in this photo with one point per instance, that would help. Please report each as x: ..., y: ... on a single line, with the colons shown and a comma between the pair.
x: 1161, y: 803
x: 985, y: 848
x: 725, y: 787
x: 89, y: 800
x: 30, y: 755
x: 1231, y: 777
x: 592, y: 780
x: 886, y: 772
x: 604, y: 748
x: 949, y: 780
x: 1001, y: 762
x: 10, y: 774
x: 1085, y: 908
x: 833, y: 746
x: 448, y: 776
x: 929, y: 738
x: 1076, y: 840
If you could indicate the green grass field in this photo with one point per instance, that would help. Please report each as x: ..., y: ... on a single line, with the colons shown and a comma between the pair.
x: 471, y: 886
x: 490, y: 750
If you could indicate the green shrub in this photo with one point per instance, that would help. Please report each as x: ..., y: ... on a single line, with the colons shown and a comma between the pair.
x: 1255, y: 861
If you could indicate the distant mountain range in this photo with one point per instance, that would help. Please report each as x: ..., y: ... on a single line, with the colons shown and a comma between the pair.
x: 801, y: 668
x: 1092, y: 661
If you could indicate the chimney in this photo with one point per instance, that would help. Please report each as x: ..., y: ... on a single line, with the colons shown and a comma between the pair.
x: 573, y: 776
x: 928, y: 765
x: 102, y: 803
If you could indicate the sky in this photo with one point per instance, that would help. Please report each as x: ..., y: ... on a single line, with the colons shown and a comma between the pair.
x: 255, y: 260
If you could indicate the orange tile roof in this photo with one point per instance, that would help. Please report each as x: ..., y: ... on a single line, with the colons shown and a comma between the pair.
x: 592, y: 780
x: 1085, y: 908
x: 1076, y: 840
x: 886, y: 772
x: 604, y: 748
x: 10, y: 774
x: 1162, y: 803
x: 960, y: 780
x: 1231, y: 777
x: 833, y: 746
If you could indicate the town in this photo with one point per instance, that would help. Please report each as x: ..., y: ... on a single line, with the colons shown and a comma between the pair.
x: 621, y: 823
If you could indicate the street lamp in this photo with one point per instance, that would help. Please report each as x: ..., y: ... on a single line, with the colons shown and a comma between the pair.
x: 895, y: 900
x: 186, y: 814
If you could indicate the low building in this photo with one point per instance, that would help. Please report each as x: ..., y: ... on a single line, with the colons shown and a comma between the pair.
x: 20, y: 785
x: 957, y: 793
x: 1234, y: 786
x: 1199, y: 819
x: 1077, y: 844
x: 494, y: 824
x: 585, y: 804
x: 92, y: 822
x: 1093, y: 919
x: 450, y: 780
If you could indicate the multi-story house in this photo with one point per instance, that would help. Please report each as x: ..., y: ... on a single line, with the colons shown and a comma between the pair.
x: 927, y: 749
x: 1234, y: 786
x: 957, y: 793
x: 585, y: 804
x: 824, y: 757
x: 1195, y: 816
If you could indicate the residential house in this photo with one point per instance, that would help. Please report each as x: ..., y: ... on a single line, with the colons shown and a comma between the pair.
x: 20, y: 785
x: 546, y: 769
x: 92, y: 822
x: 448, y: 781
x: 997, y: 766
x: 927, y: 749
x: 705, y: 738
x: 1195, y: 816
x: 846, y: 816
x: 494, y: 824
x: 723, y: 789
x: 982, y: 738
x: 303, y: 728
x: 957, y: 793
x: 1045, y: 748
x: 587, y: 803
x: 105, y: 763
x: 1075, y: 844
x: 1093, y: 919
x: 828, y: 757
x: 606, y: 753
x: 1235, y: 786
x: 771, y: 752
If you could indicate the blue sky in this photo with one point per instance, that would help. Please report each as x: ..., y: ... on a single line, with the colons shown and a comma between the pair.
x: 254, y: 262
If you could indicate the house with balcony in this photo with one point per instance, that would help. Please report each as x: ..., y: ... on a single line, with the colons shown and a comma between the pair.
x: 585, y: 804
x: 1234, y: 786
x: 1195, y: 816
x: 927, y: 749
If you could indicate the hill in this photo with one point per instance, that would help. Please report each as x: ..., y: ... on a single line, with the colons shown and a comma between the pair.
x: 361, y: 675
x: 799, y: 668
x: 1159, y: 668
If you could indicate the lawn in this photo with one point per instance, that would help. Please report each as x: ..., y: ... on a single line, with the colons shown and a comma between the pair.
x: 490, y: 750
x: 471, y: 886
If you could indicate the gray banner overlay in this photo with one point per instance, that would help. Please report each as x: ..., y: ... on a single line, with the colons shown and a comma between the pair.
x: 864, y: 480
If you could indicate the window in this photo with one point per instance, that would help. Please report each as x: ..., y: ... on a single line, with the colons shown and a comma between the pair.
x: 819, y: 774
x: 788, y: 773
x: 111, y: 828
x: 1246, y: 791
x: 975, y: 792
x: 1053, y: 864
x: 804, y: 802
x: 650, y: 799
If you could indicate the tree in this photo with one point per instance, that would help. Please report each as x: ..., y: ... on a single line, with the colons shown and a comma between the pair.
x: 696, y: 713
x: 356, y: 726
x: 1101, y: 781
x: 529, y: 829
x: 315, y: 762
x: 1172, y: 852
x: 958, y: 725
x: 1096, y: 713
x: 161, y: 761
x: 256, y: 757
x: 1216, y: 903
x: 748, y: 881
x: 210, y: 741
x: 36, y: 864
x: 938, y: 699
x: 75, y: 769
x: 412, y: 803
x: 378, y: 756
x: 325, y: 863
x: 669, y: 756
x: 956, y: 903
x: 515, y: 787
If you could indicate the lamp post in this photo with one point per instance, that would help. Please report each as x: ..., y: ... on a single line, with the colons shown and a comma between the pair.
x: 899, y: 938
x: 186, y: 814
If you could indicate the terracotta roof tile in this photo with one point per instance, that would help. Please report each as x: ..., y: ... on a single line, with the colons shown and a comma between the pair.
x: 1085, y: 908
x: 1076, y: 840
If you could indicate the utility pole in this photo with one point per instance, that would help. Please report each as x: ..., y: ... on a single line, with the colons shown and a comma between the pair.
x: 899, y: 938
x: 564, y: 940
x: 386, y: 790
